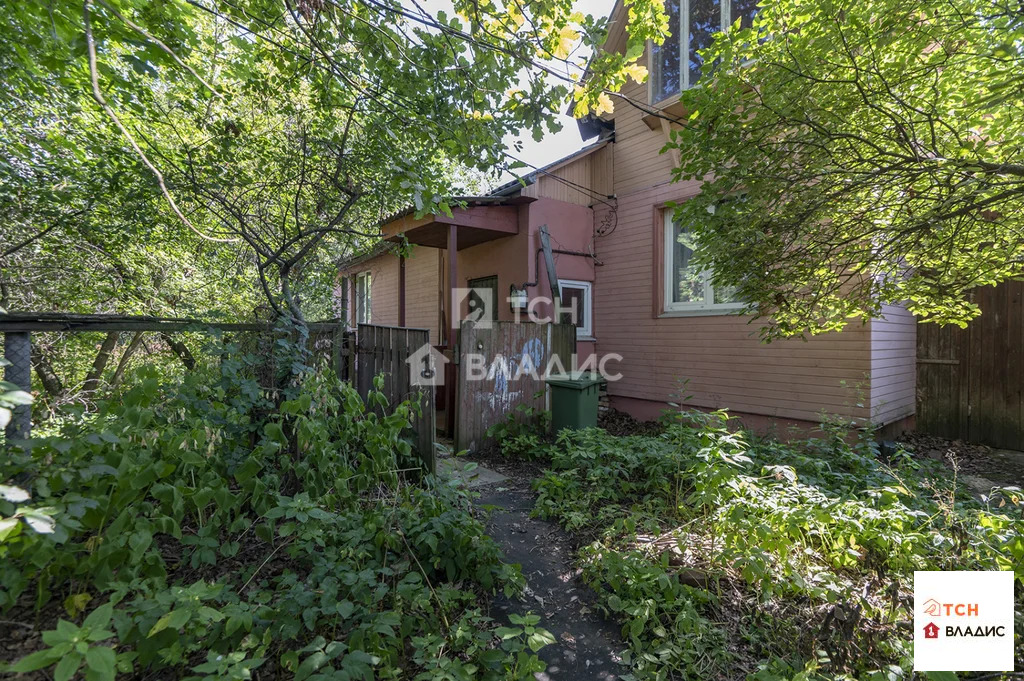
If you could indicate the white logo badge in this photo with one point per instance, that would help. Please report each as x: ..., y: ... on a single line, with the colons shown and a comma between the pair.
x: 963, y: 621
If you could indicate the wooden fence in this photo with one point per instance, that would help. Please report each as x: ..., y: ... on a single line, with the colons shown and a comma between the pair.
x: 970, y: 381
x: 386, y: 351
x: 489, y: 361
x: 354, y: 359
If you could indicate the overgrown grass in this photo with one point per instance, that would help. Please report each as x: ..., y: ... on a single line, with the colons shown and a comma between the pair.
x: 727, y: 556
x: 210, y: 530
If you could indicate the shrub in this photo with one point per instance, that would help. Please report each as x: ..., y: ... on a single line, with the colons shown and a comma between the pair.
x: 816, y: 542
x: 211, y: 528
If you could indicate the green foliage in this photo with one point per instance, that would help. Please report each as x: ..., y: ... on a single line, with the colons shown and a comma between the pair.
x: 524, y: 433
x: 665, y: 621
x: 69, y: 646
x: 224, y: 529
x: 861, y: 153
x: 257, y: 140
x: 804, y: 552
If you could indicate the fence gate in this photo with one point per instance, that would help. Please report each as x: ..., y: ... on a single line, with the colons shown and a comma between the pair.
x: 385, y: 350
x: 489, y: 361
x: 970, y: 381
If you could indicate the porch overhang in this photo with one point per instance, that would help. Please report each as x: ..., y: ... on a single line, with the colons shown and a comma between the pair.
x: 477, y: 223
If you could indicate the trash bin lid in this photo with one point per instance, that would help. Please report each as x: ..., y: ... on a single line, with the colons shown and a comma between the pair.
x: 578, y: 380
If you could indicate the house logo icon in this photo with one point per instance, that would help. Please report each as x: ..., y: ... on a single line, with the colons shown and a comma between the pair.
x: 931, y: 630
x: 426, y: 366
x: 932, y: 607
x: 479, y: 304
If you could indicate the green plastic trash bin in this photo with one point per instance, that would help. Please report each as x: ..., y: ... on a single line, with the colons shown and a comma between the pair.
x: 574, y: 399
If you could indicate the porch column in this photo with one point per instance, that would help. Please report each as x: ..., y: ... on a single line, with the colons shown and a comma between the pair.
x: 453, y: 278
x: 401, y: 290
x: 451, y: 369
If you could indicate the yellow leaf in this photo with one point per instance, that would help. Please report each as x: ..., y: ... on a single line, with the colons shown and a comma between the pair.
x: 567, y: 37
x: 604, y: 104
x: 637, y: 72
x: 76, y: 603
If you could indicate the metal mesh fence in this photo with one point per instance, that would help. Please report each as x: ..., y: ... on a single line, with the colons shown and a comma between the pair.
x: 18, y: 353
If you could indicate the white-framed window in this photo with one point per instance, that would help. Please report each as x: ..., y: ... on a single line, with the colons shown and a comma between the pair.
x: 675, y: 64
x: 688, y: 289
x: 364, y: 313
x: 578, y: 296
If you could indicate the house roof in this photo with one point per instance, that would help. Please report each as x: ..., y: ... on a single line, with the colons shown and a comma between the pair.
x: 591, y: 125
x: 507, y: 194
x: 379, y: 248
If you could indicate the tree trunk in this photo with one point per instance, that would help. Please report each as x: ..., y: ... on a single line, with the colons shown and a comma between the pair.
x: 92, y: 381
x: 179, y: 349
x: 122, y: 364
x: 47, y: 376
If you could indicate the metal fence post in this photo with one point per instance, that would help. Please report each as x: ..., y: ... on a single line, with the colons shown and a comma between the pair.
x: 18, y: 351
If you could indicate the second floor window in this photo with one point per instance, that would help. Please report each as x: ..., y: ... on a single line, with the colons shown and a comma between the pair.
x: 675, y: 64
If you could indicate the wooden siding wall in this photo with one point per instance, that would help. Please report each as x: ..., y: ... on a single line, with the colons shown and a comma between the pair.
x: 893, y: 376
x: 564, y: 183
x: 970, y: 381
x: 421, y: 289
x: 726, y: 364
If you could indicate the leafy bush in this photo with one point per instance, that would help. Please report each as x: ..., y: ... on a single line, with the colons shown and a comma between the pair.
x: 812, y: 545
x: 524, y: 433
x: 205, y: 530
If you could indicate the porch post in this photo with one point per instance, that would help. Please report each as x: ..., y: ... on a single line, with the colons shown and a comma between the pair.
x: 451, y: 335
x: 401, y: 290
x: 453, y: 278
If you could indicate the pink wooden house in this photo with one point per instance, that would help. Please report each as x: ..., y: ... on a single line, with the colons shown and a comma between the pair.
x: 617, y: 252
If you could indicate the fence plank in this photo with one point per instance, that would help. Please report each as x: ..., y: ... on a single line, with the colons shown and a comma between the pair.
x: 384, y: 351
x: 505, y: 349
x: 970, y: 381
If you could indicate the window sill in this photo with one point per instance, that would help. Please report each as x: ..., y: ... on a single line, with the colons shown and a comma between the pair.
x: 673, y: 109
x: 705, y: 312
x: 586, y: 339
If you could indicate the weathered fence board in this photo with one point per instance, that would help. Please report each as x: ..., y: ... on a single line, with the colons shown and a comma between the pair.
x: 970, y: 381
x: 384, y: 351
x: 490, y: 360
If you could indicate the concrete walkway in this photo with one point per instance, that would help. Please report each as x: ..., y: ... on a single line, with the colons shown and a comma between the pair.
x: 588, y: 645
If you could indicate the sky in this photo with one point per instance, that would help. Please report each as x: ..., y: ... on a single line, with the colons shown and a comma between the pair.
x: 554, y: 145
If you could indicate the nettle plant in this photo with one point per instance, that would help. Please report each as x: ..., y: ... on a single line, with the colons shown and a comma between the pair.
x: 215, y: 527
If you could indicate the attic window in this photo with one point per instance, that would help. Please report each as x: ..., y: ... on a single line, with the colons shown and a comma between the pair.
x: 675, y: 64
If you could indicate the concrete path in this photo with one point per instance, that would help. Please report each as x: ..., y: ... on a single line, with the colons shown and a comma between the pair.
x: 588, y: 645
x: 467, y: 472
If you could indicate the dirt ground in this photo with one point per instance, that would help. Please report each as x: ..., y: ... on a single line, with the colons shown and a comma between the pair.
x: 978, y: 466
x: 587, y: 645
